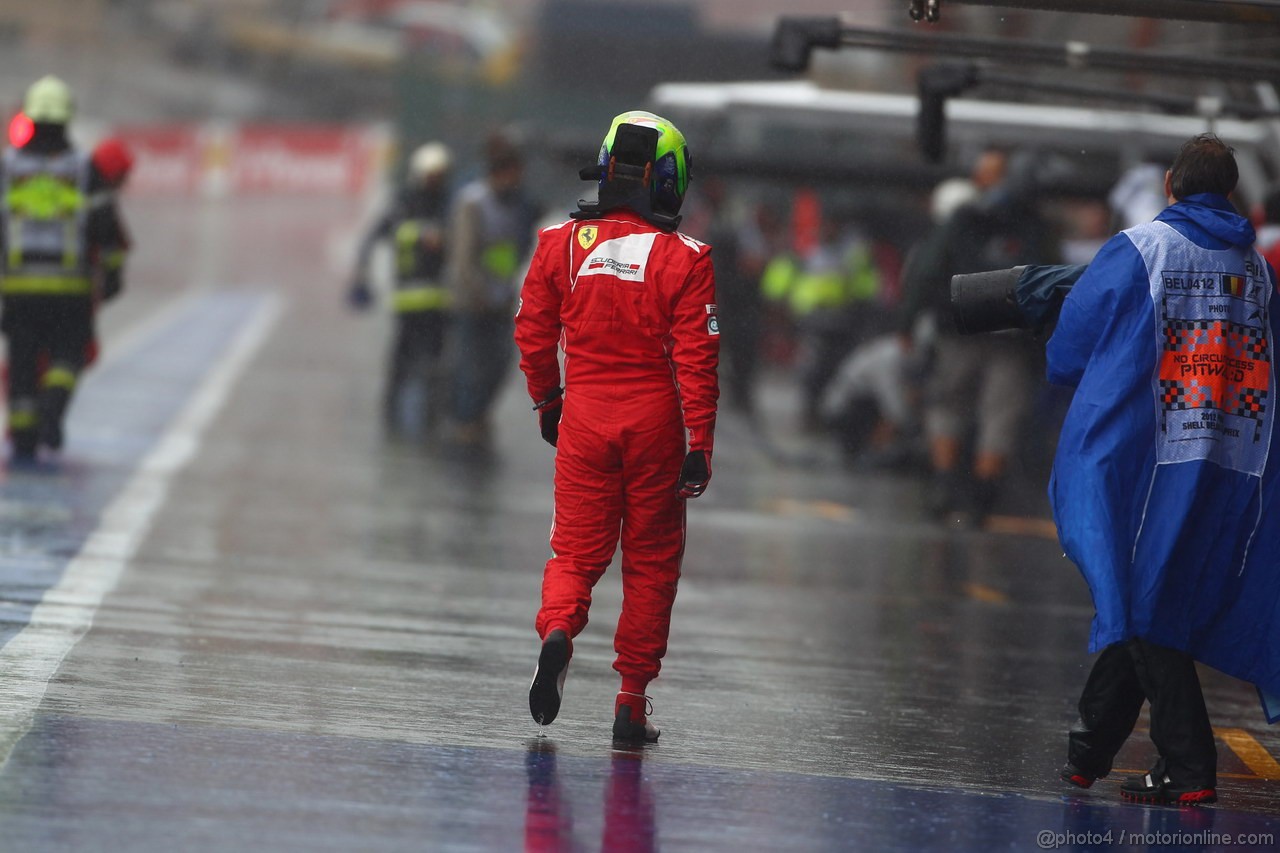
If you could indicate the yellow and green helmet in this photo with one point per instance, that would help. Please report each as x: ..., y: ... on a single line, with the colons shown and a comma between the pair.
x: 672, y: 161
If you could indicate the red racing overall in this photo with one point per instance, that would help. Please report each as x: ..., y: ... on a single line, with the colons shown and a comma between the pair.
x: 634, y: 309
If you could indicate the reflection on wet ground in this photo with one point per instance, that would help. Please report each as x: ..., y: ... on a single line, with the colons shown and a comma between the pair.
x: 88, y: 784
x: 324, y: 638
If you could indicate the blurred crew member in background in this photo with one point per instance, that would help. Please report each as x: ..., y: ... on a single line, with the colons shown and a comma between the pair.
x: 832, y: 294
x: 741, y: 254
x: 1164, y: 485
x: 61, y: 239
x: 416, y: 223
x: 981, y: 383
x: 632, y: 302
x: 113, y: 161
x: 757, y: 240
x: 492, y: 231
x: 1138, y: 195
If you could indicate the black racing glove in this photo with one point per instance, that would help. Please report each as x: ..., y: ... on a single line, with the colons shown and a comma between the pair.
x: 695, y: 473
x: 549, y: 411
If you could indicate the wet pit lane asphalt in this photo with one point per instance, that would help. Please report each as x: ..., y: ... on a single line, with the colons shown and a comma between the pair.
x: 235, y: 615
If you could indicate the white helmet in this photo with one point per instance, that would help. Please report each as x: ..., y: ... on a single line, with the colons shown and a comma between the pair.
x: 429, y: 160
x: 951, y: 195
x: 49, y: 101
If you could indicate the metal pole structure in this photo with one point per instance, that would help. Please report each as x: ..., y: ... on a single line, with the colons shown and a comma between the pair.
x: 1219, y: 11
x: 1178, y: 104
x: 1075, y: 55
x: 795, y: 38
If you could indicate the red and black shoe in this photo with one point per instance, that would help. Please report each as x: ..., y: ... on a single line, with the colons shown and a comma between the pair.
x: 1146, y: 789
x: 630, y: 719
x: 1073, y: 775
x: 548, y: 679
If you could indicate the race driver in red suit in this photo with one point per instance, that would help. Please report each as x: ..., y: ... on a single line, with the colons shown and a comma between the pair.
x: 631, y: 301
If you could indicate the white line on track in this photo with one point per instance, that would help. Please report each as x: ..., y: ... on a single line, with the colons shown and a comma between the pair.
x: 66, y: 611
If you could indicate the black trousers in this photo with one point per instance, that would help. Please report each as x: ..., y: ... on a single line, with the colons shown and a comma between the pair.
x: 43, y: 332
x: 822, y: 349
x: 415, y: 357
x: 1123, y: 677
x: 482, y: 349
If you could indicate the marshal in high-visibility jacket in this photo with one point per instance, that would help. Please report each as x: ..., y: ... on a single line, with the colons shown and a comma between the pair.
x: 806, y: 288
x: 831, y: 295
x: 416, y: 224
x: 62, y: 248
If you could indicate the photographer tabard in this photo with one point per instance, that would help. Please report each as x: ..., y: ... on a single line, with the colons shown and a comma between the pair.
x: 1164, y: 486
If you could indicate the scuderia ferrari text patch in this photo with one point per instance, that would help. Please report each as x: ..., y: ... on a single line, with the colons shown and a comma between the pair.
x: 625, y: 258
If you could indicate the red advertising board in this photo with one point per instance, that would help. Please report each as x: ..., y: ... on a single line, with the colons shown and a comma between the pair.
x: 167, y: 158
x: 298, y: 159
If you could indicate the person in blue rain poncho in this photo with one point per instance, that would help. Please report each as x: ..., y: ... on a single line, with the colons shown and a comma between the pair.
x: 1164, y: 485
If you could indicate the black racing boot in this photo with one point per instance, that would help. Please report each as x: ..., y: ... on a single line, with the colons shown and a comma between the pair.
x: 1157, y: 789
x: 548, y: 679
x: 630, y: 721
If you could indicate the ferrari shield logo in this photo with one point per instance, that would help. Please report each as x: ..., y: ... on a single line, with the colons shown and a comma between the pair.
x: 587, y: 236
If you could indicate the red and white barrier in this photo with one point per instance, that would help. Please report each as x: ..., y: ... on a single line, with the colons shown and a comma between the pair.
x: 254, y: 159
x: 168, y: 159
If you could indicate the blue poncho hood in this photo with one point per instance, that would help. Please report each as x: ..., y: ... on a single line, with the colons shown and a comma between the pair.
x: 1209, y: 221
